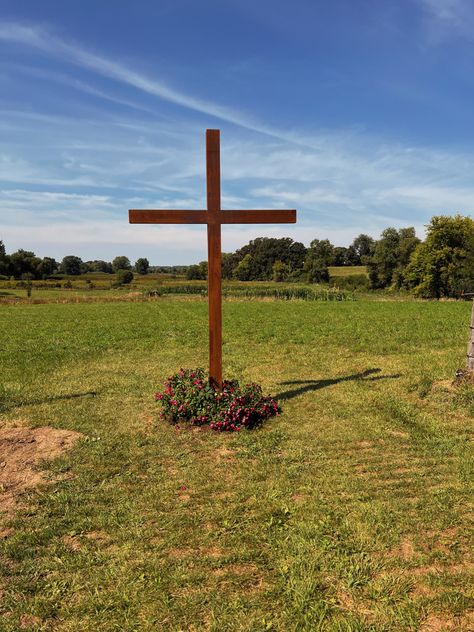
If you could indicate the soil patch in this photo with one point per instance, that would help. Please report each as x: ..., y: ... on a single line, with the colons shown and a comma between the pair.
x: 21, y: 449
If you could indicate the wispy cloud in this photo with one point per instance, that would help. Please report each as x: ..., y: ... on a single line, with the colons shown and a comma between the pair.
x: 47, y: 42
x: 449, y: 18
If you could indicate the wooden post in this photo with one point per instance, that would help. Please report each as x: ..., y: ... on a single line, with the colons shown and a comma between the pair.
x: 470, y: 346
x: 213, y: 171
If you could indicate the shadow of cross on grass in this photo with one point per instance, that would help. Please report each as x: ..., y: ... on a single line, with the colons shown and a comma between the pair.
x: 13, y: 403
x: 315, y: 385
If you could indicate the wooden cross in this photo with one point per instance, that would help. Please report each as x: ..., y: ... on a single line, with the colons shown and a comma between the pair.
x: 214, y: 216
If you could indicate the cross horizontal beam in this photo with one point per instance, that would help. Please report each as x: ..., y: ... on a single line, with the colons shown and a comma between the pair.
x: 173, y: 216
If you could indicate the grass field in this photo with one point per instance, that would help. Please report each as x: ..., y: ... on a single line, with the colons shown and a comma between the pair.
x: 338, y: 271
x: 350, y: 512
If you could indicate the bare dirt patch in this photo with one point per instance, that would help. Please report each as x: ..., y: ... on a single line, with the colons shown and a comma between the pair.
x: 404, y: 550
x: 29, y: 621
x: 436, y: 623
x: 224, y: 453
x: 71, y: 542
x: 21, y: 449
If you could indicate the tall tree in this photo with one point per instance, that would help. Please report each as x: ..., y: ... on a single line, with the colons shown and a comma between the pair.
x: 121, y: 263
x: 280, y: 271
x: 319, y: 256
x: 4, y: 260
x: 243, y: 270
x: 229, y: 262
x: 443, y: 265
x: 71, y: 265
x: 24, y: 262
x: 142, y: 265
x: 392, y: 253
x: 47, y: 267
x: 363, y: 247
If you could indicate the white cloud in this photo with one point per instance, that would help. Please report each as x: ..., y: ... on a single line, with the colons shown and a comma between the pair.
x: 446, y: 18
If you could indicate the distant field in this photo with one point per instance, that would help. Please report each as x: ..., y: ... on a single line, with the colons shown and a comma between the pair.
x: 352, y: 511
x: 98, y: 286
x: 336, y: 271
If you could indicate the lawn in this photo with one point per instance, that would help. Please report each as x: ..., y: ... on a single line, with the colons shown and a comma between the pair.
x: 351, y: 511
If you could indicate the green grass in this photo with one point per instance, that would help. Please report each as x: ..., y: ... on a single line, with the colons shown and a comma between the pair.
x: 352, y: 511
x: 145, y: 288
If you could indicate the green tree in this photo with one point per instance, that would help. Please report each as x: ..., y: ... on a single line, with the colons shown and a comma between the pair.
x: 24, y: 262
x: 98, y: 265
x: 264, y: 251
x: 123, y: 277
x: 340, y: 256
x: 443, y: 265
x: 194, y: 273
x: 280, y: 271
x: 4, y: 260
x: 243, y: 269
x: 47, y: 267
x: 391, y: 256
x: 319, y: 256
x: 121, y: 263
x: 203, y: 268
x: 316, y: 271
x: 71, y: 265
x: 142, y: 265
x: 229, y: 262
x: 363, y: 247
x: 323, y: 250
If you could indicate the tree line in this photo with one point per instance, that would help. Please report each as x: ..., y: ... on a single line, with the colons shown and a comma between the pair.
x: 24, y: 263
x: 441, y: 265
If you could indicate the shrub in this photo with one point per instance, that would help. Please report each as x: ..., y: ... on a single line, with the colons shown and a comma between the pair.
x: 189, y: 396
x: 351, y: 282
x: 124, y: 277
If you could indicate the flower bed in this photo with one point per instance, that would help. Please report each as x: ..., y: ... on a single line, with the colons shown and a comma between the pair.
x: 189, y: 396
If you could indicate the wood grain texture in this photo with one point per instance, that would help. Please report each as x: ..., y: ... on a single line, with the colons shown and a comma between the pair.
x: 174, y: 216
x: 213, y: 173
x: 170, y: 216
x: 278, y: 216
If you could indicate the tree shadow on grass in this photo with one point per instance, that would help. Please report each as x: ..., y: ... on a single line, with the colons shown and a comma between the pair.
x: 315, y: 385
x: 11, y: 404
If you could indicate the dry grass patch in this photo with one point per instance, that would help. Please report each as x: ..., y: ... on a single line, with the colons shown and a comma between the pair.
x: 21, y: 450
x: 404, y: 551
x: 440, y: 623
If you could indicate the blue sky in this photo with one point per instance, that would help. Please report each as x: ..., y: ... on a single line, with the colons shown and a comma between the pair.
x: 359, y: 113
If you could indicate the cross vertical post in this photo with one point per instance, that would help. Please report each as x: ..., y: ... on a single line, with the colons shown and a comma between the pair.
x: 213, y: 171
